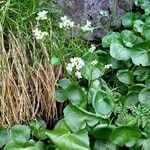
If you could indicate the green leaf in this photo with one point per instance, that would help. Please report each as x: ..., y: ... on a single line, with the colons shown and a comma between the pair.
x: 128, y: 18
x: 127, y: 120
x: 38, y: 129
x: 144, y: 96
x: 30, y: 145
x: 99, y: 145
x: 146, y: 30
x: 138, y: 26
x: 59, y: 96
x: 64, y: 83
x: 119, y: 51
x: 143, y: 144
x: 125, y: 76
x: 77, y: 119
x: 92, y: 72
x: 128, y: 38
x: 140, y: 53
x: 102, y: 104
x: 3, y: 136
x: 141, y: 58
x: 76, y: 95
x: 103, y: 131
x: 141, y: 73
x: 55, y: 60
x: 20, y: 133
x: 124, y: 134
x: 109, y: 38
x: 64, y: 139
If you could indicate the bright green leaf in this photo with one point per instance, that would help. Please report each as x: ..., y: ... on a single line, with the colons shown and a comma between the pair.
x: 125, y: 76
x: 124, y: 134
x: 144, y: 96
x: 119, y: 51
x: 64, y: 139
x: 77, y: 119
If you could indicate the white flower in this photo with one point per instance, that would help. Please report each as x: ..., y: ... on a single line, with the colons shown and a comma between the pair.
x: 66, y: 23
x: 93, y: 63
x: 76, y: 63
x: 64, y: 18
x: 104, y: 13
x: 69, y: 67
x: 39, y: 35
x: 108, y: 66
x: 92, y: 49
x: 87, y: 27
x: 42, y: 15
x: 78, y: 74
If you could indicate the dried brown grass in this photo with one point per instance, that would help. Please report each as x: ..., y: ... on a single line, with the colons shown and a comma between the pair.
x: 26, y: 93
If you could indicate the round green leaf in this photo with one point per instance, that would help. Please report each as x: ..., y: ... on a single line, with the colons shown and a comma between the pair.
x: 102, y: 105
x: 109, y: 38
x: 20, y: 133
x: 119, y: 51
x: 77, y: 119
x: 125, y: 76
x: 138, y: 26
x: 76, y: 95
x: 144, y: 96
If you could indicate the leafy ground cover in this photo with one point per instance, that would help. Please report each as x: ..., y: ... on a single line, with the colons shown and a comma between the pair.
x: 106, y: 87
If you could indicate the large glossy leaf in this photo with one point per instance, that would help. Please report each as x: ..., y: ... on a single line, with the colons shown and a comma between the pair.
x: 76, y: 95
x: 102, y: 104
x: 109, y: 38
x: 125, y: 76
x: 20, y: 133
x: 124, y: 135
x: 3, y: 136
x: 99, y: 145
x: 77, y: 119
x: 92, y: 73
x: 132, y: 97
x: 128, y: 38
x: 103, y: 131
x: 119, y: 51
x: 138, y: 26
x: 141, y: 73
x: 143, y: 144
x: 140, y: 53
x: 64, y: 139
x: 128, y: 18
x: 30, y: 145
x: 144, y: 96
x: 141, y: 58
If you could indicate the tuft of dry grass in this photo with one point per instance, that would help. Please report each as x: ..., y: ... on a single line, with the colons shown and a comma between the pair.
x: 26, y: 92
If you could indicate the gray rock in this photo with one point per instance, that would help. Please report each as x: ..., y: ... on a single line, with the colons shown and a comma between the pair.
x: 82, y: 10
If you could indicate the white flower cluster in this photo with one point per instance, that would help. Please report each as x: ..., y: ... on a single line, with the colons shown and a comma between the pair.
x: 42, y: 15
x: 75, y: 63
x: 92, y: 49
x: 39, y: 35
x: 87, y: 27
x: 66, y: 23
x: 108, y: 66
